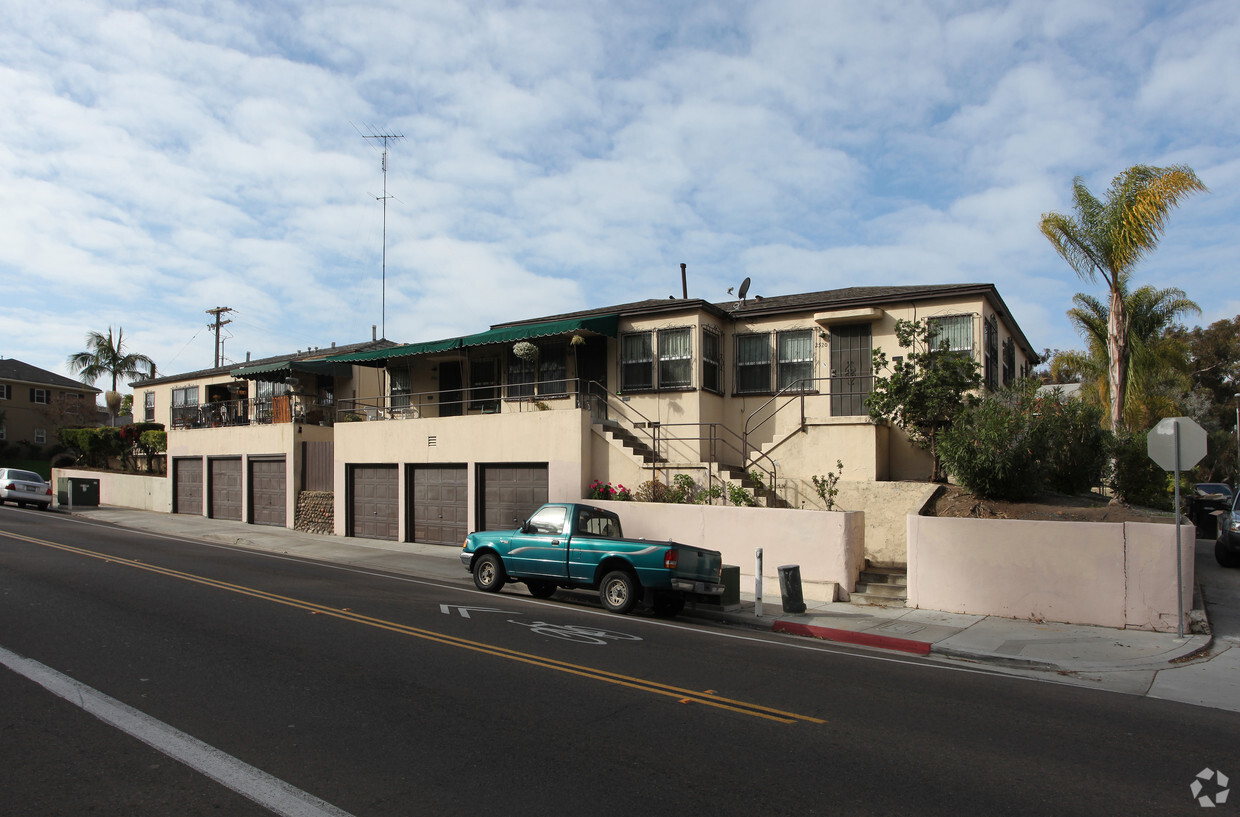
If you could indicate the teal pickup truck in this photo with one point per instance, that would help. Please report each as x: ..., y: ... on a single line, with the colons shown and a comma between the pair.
x: 578, y: 546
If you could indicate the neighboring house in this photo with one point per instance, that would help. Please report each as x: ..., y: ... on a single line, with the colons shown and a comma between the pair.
x: 36, y: 403
x: 478, y: 430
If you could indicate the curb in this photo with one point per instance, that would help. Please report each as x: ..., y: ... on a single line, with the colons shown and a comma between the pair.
x: 864, y: 639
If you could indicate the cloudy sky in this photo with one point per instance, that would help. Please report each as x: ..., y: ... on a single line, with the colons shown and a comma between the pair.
x: 161, y: 159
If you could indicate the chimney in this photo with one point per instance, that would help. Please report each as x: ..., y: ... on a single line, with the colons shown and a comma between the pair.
x: 684, y: 280
x: 374, y: 332
x: 247, y: 357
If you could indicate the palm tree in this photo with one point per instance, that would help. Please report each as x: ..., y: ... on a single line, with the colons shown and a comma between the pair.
x: 1108, y: 238
x: 1157, y: 369
x: 105, y: 356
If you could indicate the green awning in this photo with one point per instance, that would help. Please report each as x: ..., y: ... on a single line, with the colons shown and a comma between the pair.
x: 603, y: 325
x: 378, y: 356
x: 282, y: 369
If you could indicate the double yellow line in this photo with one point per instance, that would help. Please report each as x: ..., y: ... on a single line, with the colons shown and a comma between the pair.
x: 685, y: 696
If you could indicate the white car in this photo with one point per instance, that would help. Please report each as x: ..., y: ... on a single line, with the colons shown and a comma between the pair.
x: 24, y: 488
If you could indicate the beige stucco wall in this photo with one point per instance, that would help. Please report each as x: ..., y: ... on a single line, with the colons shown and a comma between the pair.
x: 828, y: 546
x: 559, y: 438
x: 1107, y: 574
x: 146, y: 492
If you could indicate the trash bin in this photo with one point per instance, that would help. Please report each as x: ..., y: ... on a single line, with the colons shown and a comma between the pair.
x: 77, y: 492
x: 790, y: 588
x: 1207, y: 525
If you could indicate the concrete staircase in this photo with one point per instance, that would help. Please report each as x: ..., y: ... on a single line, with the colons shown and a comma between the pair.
x: 881, y: 586
x: 764, y: 493
x: 630, y: 441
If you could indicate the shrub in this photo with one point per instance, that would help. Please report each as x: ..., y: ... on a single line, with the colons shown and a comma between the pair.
x: 825, y: 485
x: 1137, y: 478
x: 600, y: 490
x: 1076, y: 449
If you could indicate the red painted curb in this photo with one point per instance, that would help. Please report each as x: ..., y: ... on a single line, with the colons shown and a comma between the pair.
x: 853, y: 637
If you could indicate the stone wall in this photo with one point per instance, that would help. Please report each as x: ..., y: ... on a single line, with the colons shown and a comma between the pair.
x: 316, y: 512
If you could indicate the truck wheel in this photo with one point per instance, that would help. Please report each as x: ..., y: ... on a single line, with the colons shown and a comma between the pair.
x: 489, y: 573
x: 540, y: 590
x: 1223, y: 556
x: 667, y: 605
x: 619, y: 591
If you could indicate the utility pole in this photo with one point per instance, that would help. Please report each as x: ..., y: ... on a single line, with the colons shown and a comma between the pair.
x: 218, y: 312
x: 385, y: 137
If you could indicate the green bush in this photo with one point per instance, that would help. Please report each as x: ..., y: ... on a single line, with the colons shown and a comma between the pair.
x: 1012, y: 444
x: 1137, y: 478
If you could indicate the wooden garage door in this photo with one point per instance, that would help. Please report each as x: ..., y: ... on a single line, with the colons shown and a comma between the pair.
x: 268, y: 494
x: 438, y: 504
x: 511, y: 492
x: 374, y: 509
x: 224, y: 485
x: 187, y: 485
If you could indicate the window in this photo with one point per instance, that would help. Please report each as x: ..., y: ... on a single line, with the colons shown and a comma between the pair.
x: 399, y: 379
x: 552, y: 367
x: 148, y: 401
x: 39, y: 396
x: 1009, y: 361
x: 598, y: 523
x: 522, y: 375
x: 548, y: 520
x: 753, y: 363
x: 4, y: 432
x: 955, y: 330
x: 636, y: 362
x: 711, y: 363
x: 675, y: 358
x: 6, y: 391
x: 795, y: 360
x: 188, y: 396
x: 484, y: 380
x: 40, y: 436
x: 990, y: 352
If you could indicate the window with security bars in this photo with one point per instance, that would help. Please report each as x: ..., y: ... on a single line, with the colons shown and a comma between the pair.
x: 795, y: 360
x: 712, y: 362
x: 675, y: 358
x: 484, y: 382
x: 990, y: 352
x: 753, y: 363
x: 636, y: 362
x: 956, y: 331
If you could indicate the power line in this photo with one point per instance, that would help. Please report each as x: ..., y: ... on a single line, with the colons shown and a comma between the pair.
x: 218, y: 312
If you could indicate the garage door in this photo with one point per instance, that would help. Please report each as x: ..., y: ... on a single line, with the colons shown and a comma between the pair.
x: 374, y: 509
x: 187, y: 485
x: 267, y: 492
x: 438, y: 503
x: 224, y: 485
x: 511, y: 493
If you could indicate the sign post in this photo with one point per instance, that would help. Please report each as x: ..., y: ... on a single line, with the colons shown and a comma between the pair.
x: 1175, y: 444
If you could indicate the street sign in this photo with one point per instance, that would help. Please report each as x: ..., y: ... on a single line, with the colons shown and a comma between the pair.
x: 1161, y: 443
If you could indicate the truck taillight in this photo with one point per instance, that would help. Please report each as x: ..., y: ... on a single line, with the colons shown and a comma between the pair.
x: 671, y: 559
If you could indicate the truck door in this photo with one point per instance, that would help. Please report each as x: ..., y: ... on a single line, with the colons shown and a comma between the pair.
x: 543, y: 549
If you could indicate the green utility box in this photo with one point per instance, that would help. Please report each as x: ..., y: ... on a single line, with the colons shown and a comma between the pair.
x: 77, y: 492
x: 730, y: 577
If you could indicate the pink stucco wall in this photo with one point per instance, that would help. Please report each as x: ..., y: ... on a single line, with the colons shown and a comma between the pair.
x: 1108, y: 574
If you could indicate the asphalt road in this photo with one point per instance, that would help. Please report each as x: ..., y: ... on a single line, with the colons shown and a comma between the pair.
x: 385, y: 695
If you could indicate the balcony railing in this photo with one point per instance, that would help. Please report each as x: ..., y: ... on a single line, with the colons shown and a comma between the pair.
x: 288, y: 408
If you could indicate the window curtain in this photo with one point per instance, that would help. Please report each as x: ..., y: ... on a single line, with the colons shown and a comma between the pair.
x: 675, y: 358
x: 636, y: 360
x: 753, y: 363
x: 796, y: 359
x: 956, y: 330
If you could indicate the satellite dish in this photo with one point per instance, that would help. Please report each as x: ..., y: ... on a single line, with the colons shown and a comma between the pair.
x: 744, y: 289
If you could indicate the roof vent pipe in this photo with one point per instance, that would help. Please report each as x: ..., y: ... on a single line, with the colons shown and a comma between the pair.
x: 684, y: 280
x: 374, y: 332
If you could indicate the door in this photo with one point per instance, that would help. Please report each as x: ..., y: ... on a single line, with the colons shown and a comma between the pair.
x: 851, y: 370
x: 509, y: 494
x: 450, y: 393
x: 591, y: 358
x: 542, y: 548
x: 373, y: 507
x: 224, y: 485
x: 268, y: 494
x: 187, y: 485
x: 438, y: 504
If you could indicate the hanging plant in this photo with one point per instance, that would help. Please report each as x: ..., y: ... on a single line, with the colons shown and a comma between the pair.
x: 577, y: 340
x: 526, y: 351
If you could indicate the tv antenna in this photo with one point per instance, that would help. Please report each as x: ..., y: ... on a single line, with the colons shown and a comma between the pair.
x: 384, y: 198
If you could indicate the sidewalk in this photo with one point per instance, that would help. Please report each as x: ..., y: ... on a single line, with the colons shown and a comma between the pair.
x: 997, y: 642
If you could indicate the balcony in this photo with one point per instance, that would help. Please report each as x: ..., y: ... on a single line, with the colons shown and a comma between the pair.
x: 288, y: 408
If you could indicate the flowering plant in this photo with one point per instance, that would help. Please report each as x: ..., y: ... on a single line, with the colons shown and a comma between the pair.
x: 525, y: 350
x: 605, y: 490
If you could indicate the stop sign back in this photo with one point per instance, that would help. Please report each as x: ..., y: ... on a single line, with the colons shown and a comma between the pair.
x: 1161, y: 443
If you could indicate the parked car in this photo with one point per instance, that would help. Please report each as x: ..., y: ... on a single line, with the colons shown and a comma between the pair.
x: 24, y: 488
x: 1206, y: 503
x: 565, y: 544
x: 1227, y: 546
